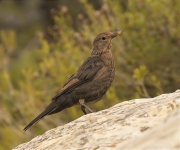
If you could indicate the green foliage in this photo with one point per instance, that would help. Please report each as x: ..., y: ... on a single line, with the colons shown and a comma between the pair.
x: 146, y: 58
x: 139, y: 73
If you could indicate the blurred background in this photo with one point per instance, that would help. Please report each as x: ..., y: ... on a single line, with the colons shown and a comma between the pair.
x: 42, y: 43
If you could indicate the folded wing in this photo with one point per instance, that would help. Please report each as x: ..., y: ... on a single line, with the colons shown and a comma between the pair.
x: 85, y: 73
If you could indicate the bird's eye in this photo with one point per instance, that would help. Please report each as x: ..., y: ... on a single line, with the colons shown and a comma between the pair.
x: 103, y: 38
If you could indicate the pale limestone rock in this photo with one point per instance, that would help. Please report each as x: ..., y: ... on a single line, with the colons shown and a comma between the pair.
x: 151, y: 123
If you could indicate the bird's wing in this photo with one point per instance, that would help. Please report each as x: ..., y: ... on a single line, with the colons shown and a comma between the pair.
x: 85, y: 73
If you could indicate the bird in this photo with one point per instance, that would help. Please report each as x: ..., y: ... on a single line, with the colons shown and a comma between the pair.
x: 89, y: 83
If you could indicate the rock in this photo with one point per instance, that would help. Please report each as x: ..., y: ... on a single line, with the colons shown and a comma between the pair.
x: 149, y: 123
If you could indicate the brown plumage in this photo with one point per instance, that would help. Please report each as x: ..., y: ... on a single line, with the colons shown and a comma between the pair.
x: 89, y: 83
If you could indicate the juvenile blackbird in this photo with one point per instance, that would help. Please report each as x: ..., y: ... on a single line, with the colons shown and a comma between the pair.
x: 89, y: 83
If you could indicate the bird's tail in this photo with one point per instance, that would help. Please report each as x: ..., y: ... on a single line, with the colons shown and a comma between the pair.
x: 47, y: 111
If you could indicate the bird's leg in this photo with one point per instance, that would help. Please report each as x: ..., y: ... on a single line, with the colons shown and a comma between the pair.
x: 83, y: 106
x: 83, y: 109
x: 81, y: 101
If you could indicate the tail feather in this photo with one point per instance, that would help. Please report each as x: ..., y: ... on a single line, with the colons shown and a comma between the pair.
x: 54, y: 107
x: 46, y: 112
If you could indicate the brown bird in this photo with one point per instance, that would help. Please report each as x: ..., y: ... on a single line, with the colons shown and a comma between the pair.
x: 89, y: 83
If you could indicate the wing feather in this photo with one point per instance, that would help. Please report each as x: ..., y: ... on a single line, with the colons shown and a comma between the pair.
x: 85, y: 73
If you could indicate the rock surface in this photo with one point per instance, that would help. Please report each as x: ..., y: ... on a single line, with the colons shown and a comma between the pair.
x: 151, y: 123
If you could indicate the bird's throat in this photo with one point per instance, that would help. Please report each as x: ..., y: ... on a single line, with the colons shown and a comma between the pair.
x: 107, y: 57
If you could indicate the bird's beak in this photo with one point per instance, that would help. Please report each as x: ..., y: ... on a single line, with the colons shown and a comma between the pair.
x: 113, y: 35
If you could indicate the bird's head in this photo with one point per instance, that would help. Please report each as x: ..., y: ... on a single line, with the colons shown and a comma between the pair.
x: 103, y: 41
